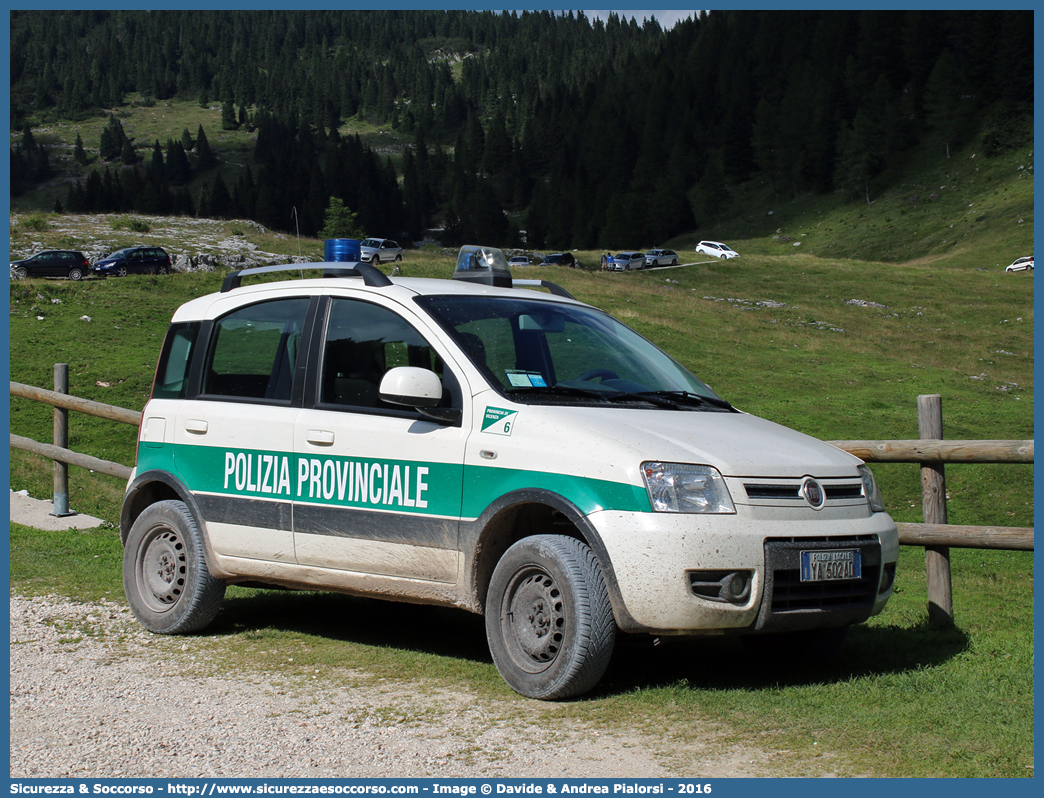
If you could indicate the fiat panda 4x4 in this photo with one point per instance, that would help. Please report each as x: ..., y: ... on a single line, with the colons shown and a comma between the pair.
x: 476, y: 444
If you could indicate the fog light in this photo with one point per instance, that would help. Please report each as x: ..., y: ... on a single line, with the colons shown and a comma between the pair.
x: 735, y: 588
x: 719, y: 585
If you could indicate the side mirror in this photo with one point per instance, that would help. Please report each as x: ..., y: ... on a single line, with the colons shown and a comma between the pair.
x: 418, y: 388
x: 411, y: 386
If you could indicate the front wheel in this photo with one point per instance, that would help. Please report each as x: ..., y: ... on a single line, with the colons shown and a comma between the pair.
x: 21, y: 272
x: 398, y: 258
x: 549, y: 622
x: 674, y: 262
x: 121, y: 271
x: 375, y: 260
x: 165, y: 576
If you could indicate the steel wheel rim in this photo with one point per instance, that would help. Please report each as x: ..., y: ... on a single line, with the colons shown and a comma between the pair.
x: 162, y: 568
x: 535, y: 619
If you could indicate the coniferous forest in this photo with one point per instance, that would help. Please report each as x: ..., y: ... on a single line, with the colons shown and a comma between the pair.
x: 584, y: 133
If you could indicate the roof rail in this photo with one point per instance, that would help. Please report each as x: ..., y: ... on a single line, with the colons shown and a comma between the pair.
x: 372, y: 276
x: 554, y: 288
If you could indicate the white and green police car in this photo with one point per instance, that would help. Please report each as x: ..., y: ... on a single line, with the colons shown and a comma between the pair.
x: 476, y: 444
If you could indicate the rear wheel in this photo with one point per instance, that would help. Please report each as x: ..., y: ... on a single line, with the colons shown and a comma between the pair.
x: 549, y: 623
x: 75, y: 273
x: 165, y: 576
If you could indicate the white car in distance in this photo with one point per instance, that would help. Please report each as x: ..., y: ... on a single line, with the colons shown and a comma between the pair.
x: 717, y: 249
x: 380, y: 250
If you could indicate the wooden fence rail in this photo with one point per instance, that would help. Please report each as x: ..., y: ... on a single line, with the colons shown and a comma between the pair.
x: 931, y: 453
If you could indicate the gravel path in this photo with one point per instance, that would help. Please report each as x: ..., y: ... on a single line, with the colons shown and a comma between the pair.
x: 93, y: 695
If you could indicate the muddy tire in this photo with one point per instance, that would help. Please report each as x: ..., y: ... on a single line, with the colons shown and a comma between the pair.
x: 165, y: 576
x: 549, y: 622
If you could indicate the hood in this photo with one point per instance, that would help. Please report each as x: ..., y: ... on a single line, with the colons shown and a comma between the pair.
x: 737, y: 444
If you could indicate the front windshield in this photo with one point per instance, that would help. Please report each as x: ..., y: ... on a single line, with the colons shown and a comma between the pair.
x: 558, y: 353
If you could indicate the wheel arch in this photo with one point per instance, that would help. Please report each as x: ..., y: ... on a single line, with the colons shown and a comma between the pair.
x: 154, y: 486
x: 522, y: 514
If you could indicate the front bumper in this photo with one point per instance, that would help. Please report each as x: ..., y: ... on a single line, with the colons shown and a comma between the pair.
x: 658, y: 560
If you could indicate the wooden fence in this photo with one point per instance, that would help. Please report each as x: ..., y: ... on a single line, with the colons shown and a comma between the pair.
x: 931, y: 452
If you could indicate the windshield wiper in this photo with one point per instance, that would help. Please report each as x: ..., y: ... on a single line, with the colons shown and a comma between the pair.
x: 688, y: 396
x: 649, y: 397
x: 557, y: 390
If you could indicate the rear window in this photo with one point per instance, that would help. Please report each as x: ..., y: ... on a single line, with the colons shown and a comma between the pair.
x: 254, y: 351
x: 172, y: 369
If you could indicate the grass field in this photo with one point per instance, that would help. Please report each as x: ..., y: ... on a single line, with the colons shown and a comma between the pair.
x: 777, y: 333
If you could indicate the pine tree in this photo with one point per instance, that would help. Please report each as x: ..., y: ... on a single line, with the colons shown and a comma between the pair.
x: 228, y: 116
x: 340, y: 221
x: 113, y: 138
x: 205, y: 158
x: 942, y: 98
x: 127, y: 155
x: 79, y: 154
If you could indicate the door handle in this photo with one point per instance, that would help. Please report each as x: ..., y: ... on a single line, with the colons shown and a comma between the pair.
x: 320, y: 437
x: 197, y: 426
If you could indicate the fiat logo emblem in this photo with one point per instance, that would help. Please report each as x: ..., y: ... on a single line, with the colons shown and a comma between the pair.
x: 813, y: 493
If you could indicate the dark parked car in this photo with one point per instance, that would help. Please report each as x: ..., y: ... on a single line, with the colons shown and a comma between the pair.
x: 133, y: 260
x: 52, y: 263
x: 559, y: 259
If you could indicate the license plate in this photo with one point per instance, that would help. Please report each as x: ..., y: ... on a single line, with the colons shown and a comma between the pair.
x: 828, y: 566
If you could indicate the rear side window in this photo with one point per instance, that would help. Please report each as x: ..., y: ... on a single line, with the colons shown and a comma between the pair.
x: 254, y: 350
x: 172, y: 370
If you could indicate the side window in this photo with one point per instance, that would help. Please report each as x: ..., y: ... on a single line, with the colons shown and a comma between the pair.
x: 254, y: 350
x: 172, y: 371
x: 363, y: 341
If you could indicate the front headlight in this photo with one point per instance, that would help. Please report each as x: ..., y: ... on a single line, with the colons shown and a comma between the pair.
x: 683, y: 488
x: 870, y: 490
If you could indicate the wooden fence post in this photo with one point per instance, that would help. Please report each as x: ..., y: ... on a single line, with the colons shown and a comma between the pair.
x: 61, y: 439
x: 933, y: 499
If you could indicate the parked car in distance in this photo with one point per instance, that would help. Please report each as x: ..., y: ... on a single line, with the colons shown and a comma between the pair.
x: 520, y: 261
x: 559, y: 259
x: 625, y: 261
x: 52, y: 263
x: 1021, y: 265
x: 380, y: 250
x: 661, y: 257
x: 717, y: 249
x: 133, y: 260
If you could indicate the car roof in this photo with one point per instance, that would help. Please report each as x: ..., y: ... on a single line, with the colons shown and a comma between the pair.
x: 401, y: 289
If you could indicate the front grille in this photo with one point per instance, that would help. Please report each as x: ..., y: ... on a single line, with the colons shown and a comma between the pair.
x: 773, y: 492
x: 791, y: 491
x: 789, y: 602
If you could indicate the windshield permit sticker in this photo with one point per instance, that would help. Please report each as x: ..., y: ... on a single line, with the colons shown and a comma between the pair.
x: 525, y: 379
x: 498, y: 421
